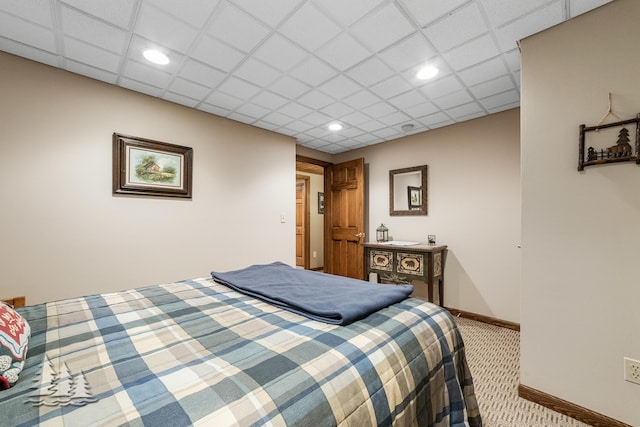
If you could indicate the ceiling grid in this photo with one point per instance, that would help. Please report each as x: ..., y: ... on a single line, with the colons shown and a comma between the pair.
x: 296, y: 66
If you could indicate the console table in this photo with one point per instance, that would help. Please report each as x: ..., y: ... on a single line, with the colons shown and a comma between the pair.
x: 402, y: 264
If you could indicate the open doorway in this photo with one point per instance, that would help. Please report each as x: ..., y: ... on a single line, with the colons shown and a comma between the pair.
x: 309, y: 214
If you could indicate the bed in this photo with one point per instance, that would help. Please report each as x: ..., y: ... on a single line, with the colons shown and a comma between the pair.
x: 197, y: 352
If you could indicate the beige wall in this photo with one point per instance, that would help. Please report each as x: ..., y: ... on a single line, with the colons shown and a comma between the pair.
x: 63, y: 233
x: 474, y: 206
x: 580, y: 286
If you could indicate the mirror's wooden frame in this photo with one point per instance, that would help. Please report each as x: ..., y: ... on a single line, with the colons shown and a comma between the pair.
x: 423, y: 185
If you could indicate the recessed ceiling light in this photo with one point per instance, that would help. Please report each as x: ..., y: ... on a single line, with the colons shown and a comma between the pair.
x: 335, y: 127
x: 156, y: 56
x: 427, y: 72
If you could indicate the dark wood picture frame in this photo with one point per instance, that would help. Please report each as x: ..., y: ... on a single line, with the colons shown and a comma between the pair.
x: 144, y: 167
x: 414, y: 195
x: 421, y: 173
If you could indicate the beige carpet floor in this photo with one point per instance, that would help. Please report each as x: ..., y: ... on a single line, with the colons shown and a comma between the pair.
x: 493, y: 354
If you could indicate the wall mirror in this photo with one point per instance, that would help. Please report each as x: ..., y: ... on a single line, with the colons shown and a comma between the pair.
x: 408, y: 191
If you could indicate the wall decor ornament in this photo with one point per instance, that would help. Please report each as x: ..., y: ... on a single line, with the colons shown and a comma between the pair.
x: 615, y: 148
x: 145, y: 167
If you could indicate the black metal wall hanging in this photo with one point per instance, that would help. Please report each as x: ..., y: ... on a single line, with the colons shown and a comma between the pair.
x: 621, y: 151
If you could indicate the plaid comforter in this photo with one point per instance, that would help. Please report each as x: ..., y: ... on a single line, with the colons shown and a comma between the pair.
x: 197, y: 353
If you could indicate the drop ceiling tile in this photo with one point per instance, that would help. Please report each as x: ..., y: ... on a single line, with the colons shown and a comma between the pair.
x: 453, y: 99
x: 578, y: 7
x: 165, y: 29
x: 37, y: 11
x: 351, y: 132
x: 238, y: 29
x: 280, y: 53
x: 189, y: 89
x: 269, y: 100
x: 238, y: 117
x: 427, y: 11
x: 370, y: 71
x: 119, y: 12
x: 391, y: 87
x: 458, y: 27
x: 496, y: 101
x: 361, y: 99
x: 395, y: 118
x: 289, y: 87
x: 94, y: 73
x: 214, y: 109
x: 366, y: 138
x: 138, y: 86
x: 90, y: 30
x: 298, y: 126
x: 143, y: 73
x: 313, y: 72
x: 217, y: 54
x: 492, y: 87
x: 504, y: 107
x: 484, y: 71
x: 179, y: 99
x: 407, y: 99
x: 478, y: 50
x: 378, y: 110
x: 29, y: 52
x: 388, y: 17
x: 27, y: 33
x: 316, y: 118
x: 196, y: 12
x: 414, y: 50
x: 442, y: 87
x: 513, y: 59
x: 343, y: 52
x: 356, y: 118
x: 535, y: 22
x: 266, y: 125
x: 239, y: 88
x: 433, y: 119
x: 256, y: 72
x: 220, y: 99
x: 465, y: 110
x: 295, y: 110
x: 271, y: 13
x: 340, y: 87
x: 318, y: 132
x: 371, y: 125
x: 309, y: 27
x: 91, y: 55
x: 421, y: 109
x: 442, y: 124
x: 315, y: 99
x: 347, y: 12
x: 504, y: 11
x: 385, y: 133
x: 202, y: 74
x: 337, y: 110
x: 252, y: 110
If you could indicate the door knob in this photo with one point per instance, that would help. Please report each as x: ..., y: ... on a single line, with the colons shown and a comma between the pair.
x: 359, y: 235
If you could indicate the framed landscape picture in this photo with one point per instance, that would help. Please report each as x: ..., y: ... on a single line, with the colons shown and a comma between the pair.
x: 145, y: 167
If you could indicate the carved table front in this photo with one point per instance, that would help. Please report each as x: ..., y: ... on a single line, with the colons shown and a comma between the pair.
x: 403, y: 264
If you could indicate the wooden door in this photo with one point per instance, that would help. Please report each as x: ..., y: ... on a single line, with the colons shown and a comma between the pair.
x: 302, y: 222
x: 344, y: 222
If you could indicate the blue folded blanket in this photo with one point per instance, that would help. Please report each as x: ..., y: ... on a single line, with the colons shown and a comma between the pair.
x: 325, y: 297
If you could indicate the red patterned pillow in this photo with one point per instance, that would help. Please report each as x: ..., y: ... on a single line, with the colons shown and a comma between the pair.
x: 14, y: 340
